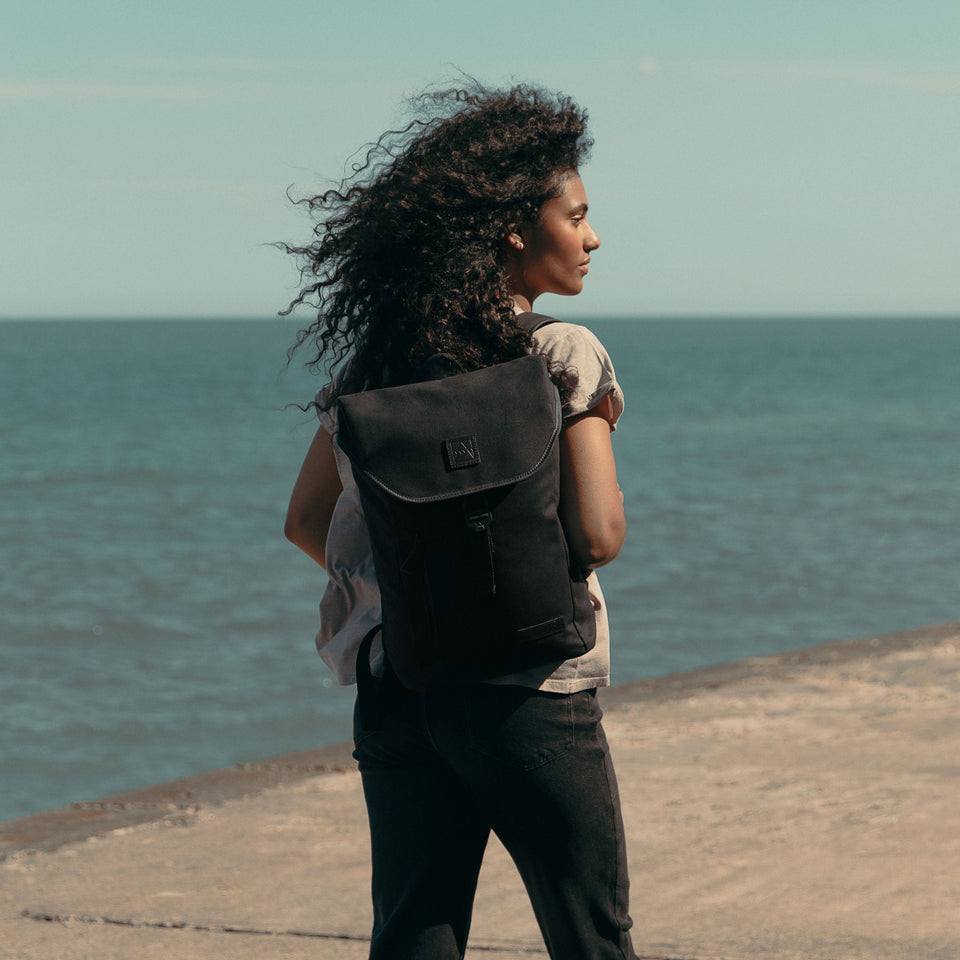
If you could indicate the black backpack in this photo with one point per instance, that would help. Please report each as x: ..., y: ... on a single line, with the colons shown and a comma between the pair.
x: 459, y: 482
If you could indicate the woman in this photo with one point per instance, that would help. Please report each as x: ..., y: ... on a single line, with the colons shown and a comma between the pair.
x: 449, y: 230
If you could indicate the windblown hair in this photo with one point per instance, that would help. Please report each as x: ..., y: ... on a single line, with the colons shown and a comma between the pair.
x: 406, y: 260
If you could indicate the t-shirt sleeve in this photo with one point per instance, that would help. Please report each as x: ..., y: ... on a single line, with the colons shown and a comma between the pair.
x: 326, y: 413
x: 579, y: 350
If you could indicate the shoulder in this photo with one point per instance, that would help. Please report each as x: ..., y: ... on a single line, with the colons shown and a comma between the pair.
x: 579, y: 350
x: 561, y: 339
x: 326, y: 409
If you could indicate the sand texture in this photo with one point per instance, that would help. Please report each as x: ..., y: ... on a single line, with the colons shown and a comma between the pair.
x: 789, y: 808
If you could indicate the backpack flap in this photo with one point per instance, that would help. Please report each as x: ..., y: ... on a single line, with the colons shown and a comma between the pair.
x: 464, y: 434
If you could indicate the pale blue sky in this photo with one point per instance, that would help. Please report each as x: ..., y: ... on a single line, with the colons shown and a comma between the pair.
x: 797, y: 157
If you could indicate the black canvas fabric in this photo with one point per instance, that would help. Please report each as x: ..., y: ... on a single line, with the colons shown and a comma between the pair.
x: 459, y: 482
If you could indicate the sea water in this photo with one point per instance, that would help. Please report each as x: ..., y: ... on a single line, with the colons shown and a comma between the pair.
x: 787, y: 482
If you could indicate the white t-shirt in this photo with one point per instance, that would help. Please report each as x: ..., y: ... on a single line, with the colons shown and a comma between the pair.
x: 351, y: 602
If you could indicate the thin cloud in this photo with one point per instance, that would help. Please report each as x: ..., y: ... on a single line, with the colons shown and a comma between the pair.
x: 937, y: 82
x: 947, y: 83
x: 216, y: 64
x: 931, y: 82
x: 85, y: 90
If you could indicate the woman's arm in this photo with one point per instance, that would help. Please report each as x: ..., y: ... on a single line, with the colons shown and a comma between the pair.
x: 314, y: 496
x: 591, y: 503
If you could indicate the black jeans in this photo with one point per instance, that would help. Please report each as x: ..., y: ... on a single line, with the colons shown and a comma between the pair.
x: 446, y: 767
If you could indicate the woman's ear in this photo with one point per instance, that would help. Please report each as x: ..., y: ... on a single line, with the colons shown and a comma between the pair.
x: 515, y: 240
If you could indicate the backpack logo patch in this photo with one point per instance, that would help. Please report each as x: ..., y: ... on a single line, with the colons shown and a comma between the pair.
x: 461, y: 452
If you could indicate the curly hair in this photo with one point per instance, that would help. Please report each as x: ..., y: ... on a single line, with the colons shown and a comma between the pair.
x: 406, y: 260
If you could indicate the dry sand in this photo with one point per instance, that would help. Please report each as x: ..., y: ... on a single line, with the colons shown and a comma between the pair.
x: 793, y: 807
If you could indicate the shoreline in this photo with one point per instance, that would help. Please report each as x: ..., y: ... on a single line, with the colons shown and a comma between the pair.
x: 799, y: 806
x: 48, y: 830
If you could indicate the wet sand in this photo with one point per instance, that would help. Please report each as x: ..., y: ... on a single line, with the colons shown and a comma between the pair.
x: 790, y: 807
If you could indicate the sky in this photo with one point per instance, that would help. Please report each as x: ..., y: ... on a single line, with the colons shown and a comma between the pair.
x: 752, y: 157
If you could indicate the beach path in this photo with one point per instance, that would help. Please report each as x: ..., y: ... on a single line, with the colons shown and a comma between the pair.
x: 795, y: 807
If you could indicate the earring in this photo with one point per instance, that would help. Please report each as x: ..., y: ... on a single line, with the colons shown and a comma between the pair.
x: 519, y: 244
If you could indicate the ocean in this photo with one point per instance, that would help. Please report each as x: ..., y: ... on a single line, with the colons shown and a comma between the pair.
x: 787, y: 482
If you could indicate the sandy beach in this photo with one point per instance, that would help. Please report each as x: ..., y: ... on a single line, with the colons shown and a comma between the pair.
x: 791, y: 807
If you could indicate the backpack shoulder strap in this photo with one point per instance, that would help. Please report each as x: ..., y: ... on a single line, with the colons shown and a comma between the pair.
x: 438, y: 367
x: 531, y: 322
